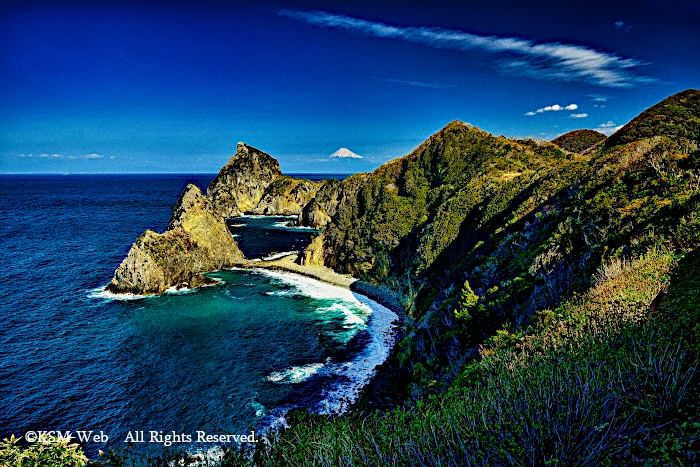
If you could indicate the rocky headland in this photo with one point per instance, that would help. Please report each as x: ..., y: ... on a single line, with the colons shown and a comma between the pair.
x: 196, y: 241
x: 252, y: 182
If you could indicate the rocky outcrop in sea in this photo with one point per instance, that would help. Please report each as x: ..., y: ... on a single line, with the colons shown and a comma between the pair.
x: 197, y: 241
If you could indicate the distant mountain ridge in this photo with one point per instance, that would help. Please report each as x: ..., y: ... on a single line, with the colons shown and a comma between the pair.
x: 579, y: 140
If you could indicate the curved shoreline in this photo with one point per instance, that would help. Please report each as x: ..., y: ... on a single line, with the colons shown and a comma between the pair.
x: 384, y: 332
x: 379, y: 294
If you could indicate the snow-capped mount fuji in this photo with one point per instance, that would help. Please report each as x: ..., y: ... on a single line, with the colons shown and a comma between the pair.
x: 345, y: 153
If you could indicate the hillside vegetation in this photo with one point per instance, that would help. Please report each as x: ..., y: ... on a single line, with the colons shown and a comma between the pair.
x: 579, y: 140
x: 514, y: 226
x: 552, y: 302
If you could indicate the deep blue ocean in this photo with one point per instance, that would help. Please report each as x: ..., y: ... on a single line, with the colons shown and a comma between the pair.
x: 223, y: 359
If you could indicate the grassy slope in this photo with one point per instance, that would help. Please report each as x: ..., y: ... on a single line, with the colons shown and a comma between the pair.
x: 600, y: 380
x: 677, y: 117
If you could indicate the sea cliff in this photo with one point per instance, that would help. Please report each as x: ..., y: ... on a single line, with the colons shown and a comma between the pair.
x: 196, y: 241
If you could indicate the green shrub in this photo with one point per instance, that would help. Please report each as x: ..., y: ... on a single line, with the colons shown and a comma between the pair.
x: 58, y: 453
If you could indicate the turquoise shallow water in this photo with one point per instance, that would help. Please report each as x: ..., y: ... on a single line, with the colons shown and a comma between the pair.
x: 221, y: 359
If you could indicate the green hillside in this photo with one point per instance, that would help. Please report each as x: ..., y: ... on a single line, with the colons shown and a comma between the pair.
x: 677, y: 117
x: 531, y: 278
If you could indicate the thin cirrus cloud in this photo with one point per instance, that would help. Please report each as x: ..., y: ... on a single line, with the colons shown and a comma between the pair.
x: 621, y: 26
x: 551, y: 60
x: 552, y: 108
x: 59, y: 156
x: 421, y: 84
x: 581, y: 115
x: 598, y: 101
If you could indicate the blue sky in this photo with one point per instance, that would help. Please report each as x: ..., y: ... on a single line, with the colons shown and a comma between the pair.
x: 172, y: 87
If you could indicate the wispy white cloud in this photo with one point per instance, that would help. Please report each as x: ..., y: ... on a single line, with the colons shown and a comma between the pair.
x: 553, y: 60
x: 581, y: 115
x: 598, y: 101
x: 87, y: 156
x: 608, y: 128
x: 621, y: 26
x: 417, y: 83
x: 552, y: 108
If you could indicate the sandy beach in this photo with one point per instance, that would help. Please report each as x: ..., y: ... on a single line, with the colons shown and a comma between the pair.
x: 381, y: 295
x: 287, y: 263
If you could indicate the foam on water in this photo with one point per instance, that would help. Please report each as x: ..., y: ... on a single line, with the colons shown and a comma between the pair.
x: 262, y: 216
x: 362, y: 368
x: 274, y: 256
x: 283, y: 225
x: 356, y: 373
x: 310, y: 287
x: 258, y: 407
x: 182, y: 290
x: 101, y: 293
x: 295, y: 374
x: 351, y: 319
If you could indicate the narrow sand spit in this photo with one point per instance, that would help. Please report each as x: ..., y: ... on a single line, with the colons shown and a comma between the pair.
x: 287, y: 263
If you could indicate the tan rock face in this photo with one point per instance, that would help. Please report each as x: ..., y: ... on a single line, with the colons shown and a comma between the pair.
x: 139, y: 272
x: 242, y: 182
x: 313, y: 255
x: 197, y: 240
x: 286, y: 196
x: 318, y: 211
